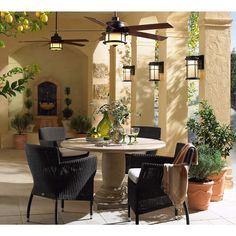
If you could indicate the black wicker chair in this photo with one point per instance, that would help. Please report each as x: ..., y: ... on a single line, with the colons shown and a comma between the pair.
x: 146, y: 194
x: 71, y: 180
x: 52, y: 137
x: 149, y: 132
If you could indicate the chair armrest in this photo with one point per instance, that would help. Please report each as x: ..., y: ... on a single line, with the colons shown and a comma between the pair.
x: 46, y: 143
x: 136, y: 160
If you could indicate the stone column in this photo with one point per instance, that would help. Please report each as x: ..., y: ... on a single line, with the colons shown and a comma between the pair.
x: 144, y: 92
x: 173, y: 86
x: 112, y: 84
x: 215, y: 79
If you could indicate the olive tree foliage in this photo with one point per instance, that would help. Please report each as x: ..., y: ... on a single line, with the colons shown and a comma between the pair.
x: 193, y: 48
x: 193, y: 36
x: 11, y: 24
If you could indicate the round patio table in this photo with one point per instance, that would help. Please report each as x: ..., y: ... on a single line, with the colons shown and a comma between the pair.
x: 112, y: 193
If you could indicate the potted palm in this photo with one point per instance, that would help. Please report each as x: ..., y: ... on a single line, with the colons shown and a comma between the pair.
x: 207, y: 130
x: 200, y: 185
x: 67, y: 112
x: 20, y: 124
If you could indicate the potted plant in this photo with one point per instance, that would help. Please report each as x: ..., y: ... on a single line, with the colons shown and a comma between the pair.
x: 119, y: 113
x: 67, y: 112
x: 28, y: 104
x: 207, y: 130
x: 81, y: 124
x: 200, y: 186
x: 20, y: 124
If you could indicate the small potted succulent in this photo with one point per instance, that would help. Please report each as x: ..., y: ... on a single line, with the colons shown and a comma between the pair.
x: 20, y: 123
x: 67, y: 112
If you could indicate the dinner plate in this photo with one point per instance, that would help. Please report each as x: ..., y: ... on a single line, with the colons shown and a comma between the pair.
x: 93, y: 140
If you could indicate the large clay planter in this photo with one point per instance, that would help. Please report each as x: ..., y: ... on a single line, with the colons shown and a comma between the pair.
x: 20, y: 141
x: 218, y: 186
x: 199, y: 195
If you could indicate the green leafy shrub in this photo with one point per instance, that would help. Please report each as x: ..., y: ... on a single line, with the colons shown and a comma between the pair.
x: 20, y: 123
x: 81, y: 124
x: 209, y: 162
x: 209, y: 131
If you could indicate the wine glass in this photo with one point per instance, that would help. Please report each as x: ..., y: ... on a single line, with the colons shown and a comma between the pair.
x: 135, y: 132
x: 130, y: 135
x: 124, y: 133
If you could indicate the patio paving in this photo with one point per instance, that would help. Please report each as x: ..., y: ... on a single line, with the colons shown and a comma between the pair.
x: 16, y: 184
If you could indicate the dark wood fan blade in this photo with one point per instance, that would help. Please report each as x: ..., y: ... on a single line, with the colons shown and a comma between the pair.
x: 132, y: 28
x: 34, y: 41
x: 149, y: 36
x: 75, y: 40
x: 82, y: 30
x: 95, y: 20
x: 75, y: 44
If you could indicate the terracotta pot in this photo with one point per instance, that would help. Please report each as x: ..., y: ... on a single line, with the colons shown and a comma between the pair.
x: 218, y: 186
x: 199, y: 195
x: 20, y: 141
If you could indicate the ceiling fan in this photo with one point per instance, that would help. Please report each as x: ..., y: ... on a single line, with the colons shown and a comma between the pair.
x: 116, y: 31
x: 56, y: 42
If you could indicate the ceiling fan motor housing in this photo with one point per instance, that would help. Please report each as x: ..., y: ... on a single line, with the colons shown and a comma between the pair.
x: 56, y: 38
x: 115, y: 25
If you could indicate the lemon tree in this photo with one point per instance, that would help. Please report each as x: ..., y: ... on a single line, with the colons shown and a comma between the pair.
x: 10, y: 89
x: 12, y: 23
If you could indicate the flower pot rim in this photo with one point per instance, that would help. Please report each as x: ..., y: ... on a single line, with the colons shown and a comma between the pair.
x: 202, y: 183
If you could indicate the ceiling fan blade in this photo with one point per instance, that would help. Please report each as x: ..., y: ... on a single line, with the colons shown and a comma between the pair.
x: 75, y: 40
x: 34, y: 41
x: 149, y: 36
x: 82, y: 30
x: 95, y: 20
x: 148, y: 27
x: 75, y: 44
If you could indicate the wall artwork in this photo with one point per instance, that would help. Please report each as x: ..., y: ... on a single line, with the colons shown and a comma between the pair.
x: 100, y: 91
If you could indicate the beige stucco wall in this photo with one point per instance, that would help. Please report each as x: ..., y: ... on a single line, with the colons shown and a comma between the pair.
x: 215, y: 45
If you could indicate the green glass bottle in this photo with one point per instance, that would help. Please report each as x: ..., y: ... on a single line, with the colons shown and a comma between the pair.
x: 104, y: 126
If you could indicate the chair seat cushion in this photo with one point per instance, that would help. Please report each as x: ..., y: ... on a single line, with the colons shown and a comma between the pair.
x: 65, y: 152
x: 134, y: 174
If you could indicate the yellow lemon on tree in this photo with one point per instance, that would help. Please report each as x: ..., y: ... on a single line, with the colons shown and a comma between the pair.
x: 26, y: 27
x: 20, y: 28
x: 9, y: 18
x: 2, y: 14
x: 44, y: 18
x: 38, y: 14
x: 26, y: 22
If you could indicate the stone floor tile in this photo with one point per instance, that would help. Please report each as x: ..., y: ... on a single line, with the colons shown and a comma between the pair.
x: 10, y: 219
x: 82, y: 219
x: 42, y: 218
